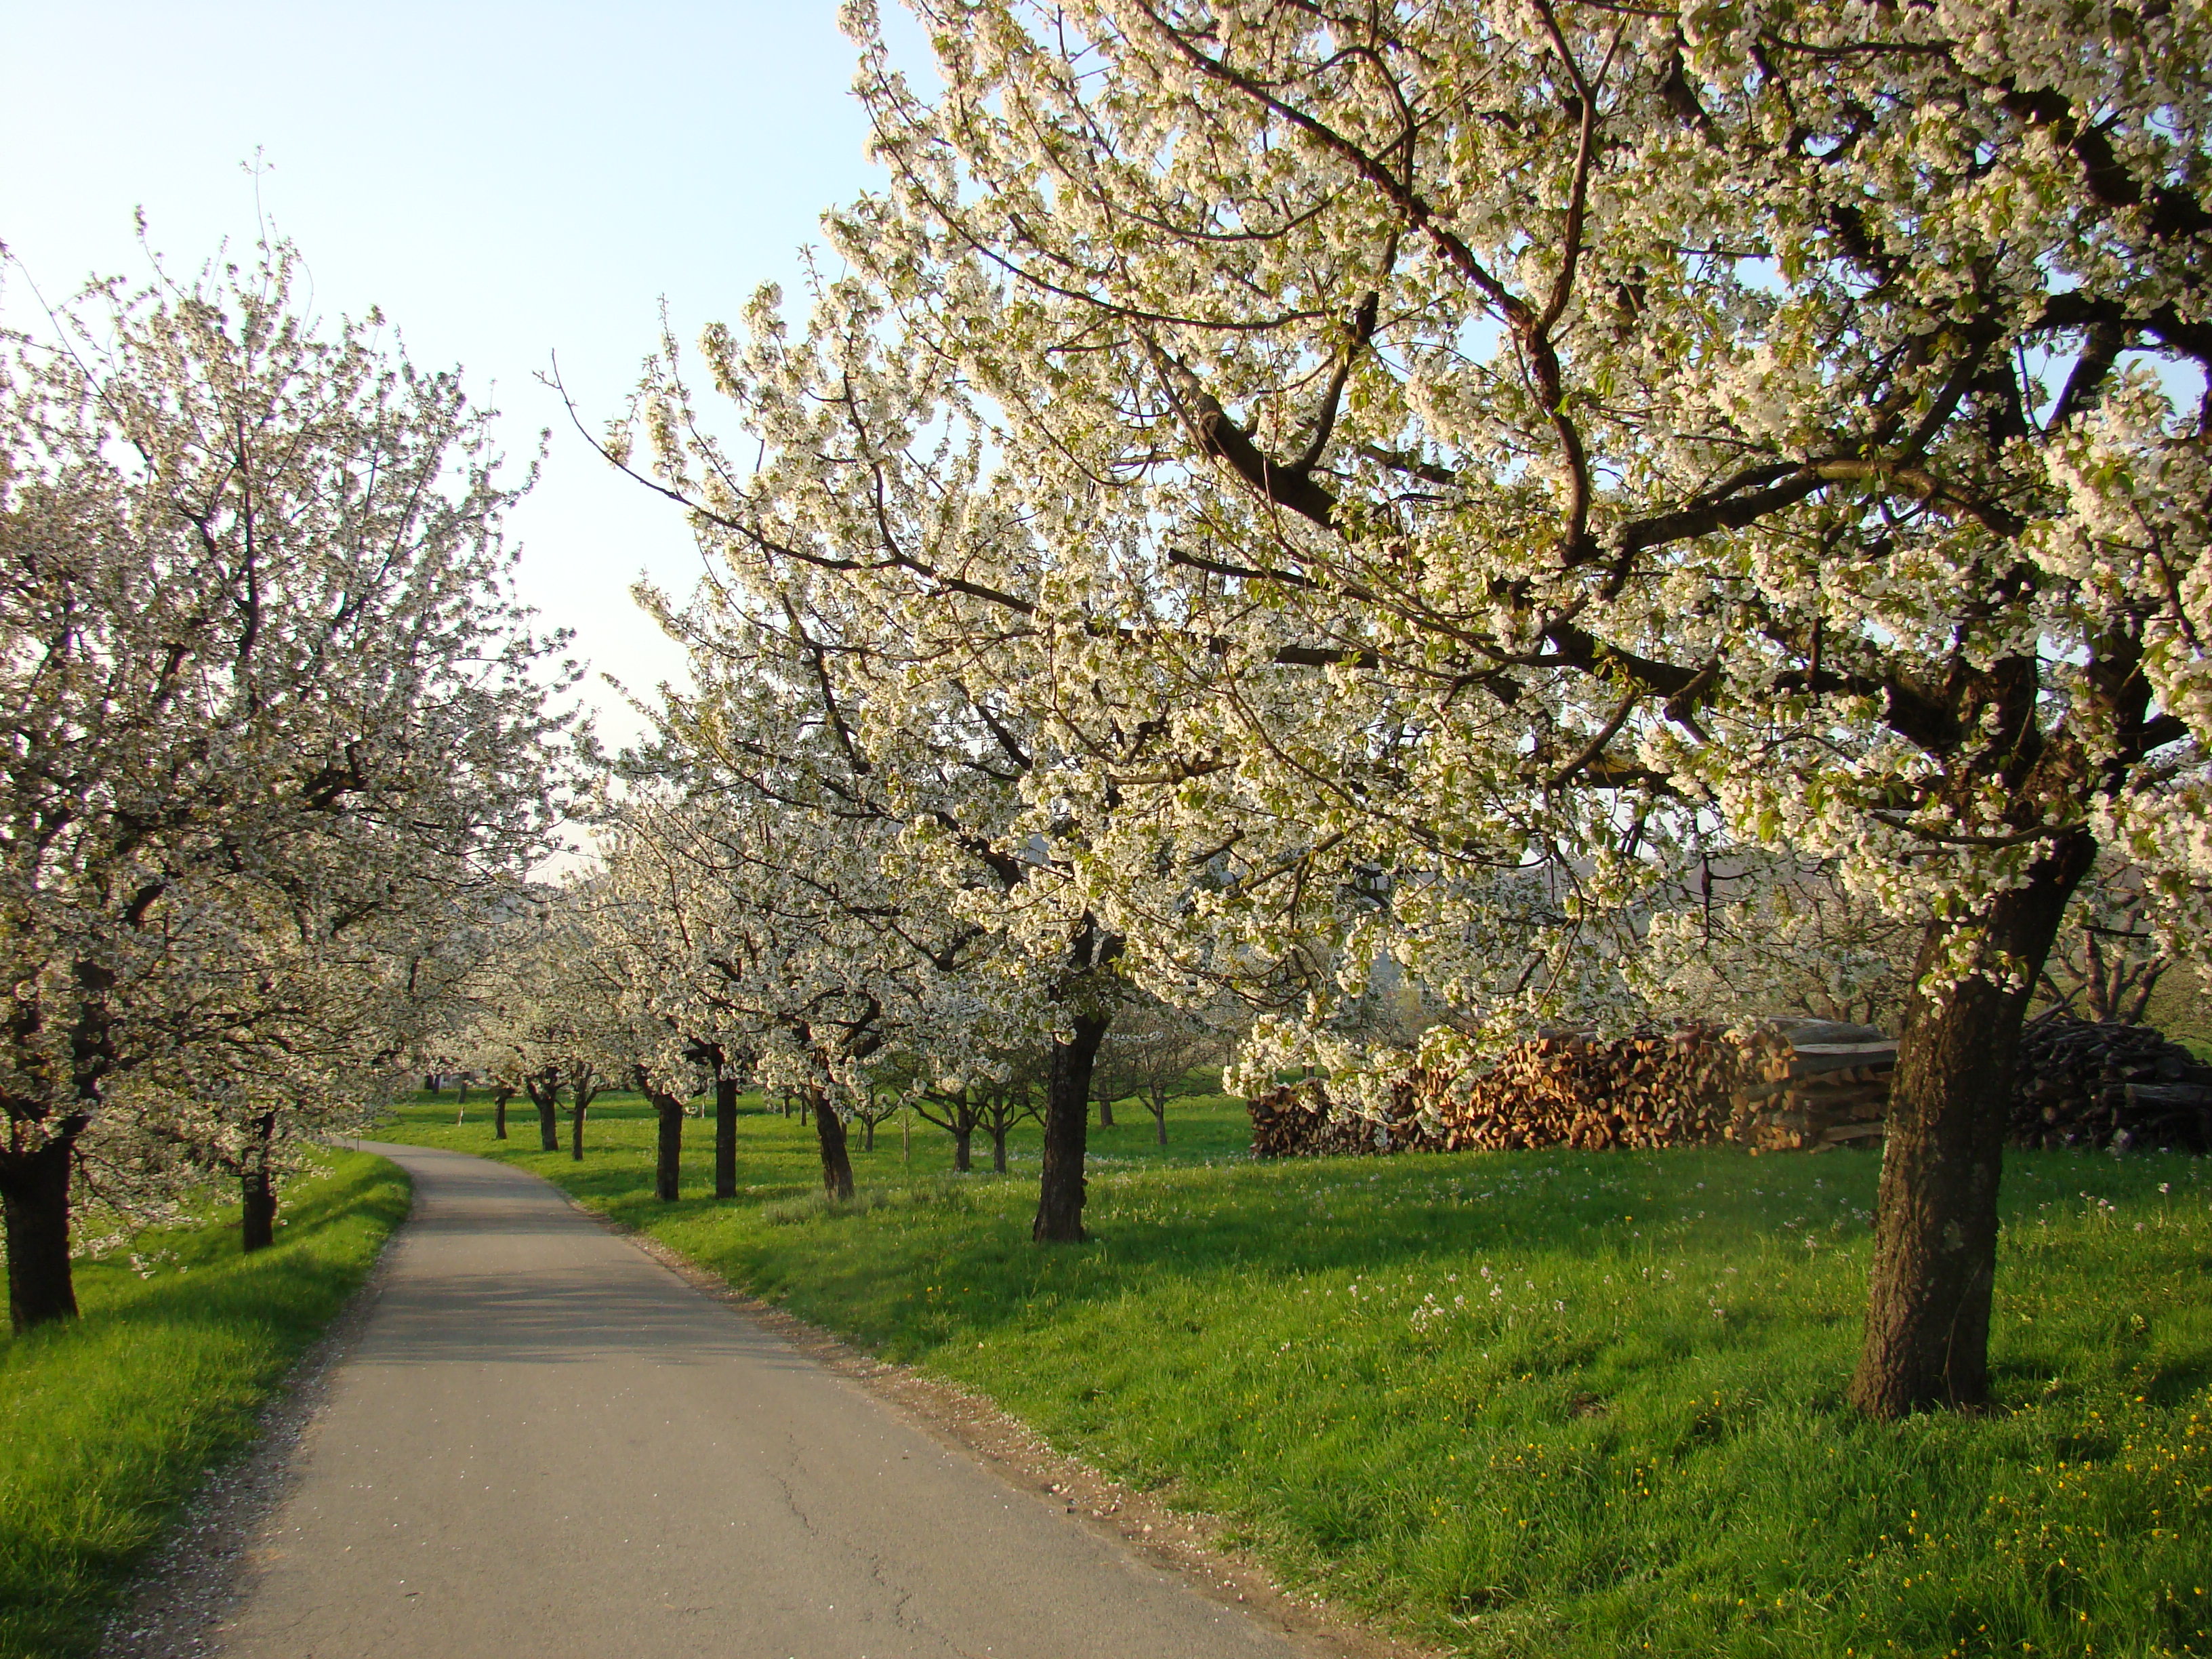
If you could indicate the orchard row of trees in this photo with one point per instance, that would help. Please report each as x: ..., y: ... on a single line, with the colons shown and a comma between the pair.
x: 628, y: 978
x: 1411, y: 522
x: 276, y: 746
x: 1323, y: 504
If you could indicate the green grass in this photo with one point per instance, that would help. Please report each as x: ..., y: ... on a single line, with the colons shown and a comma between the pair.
x: 111, y: 1419
x: 1559, y: 1403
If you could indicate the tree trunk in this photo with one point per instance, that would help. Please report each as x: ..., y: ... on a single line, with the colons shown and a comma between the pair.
x: 1105, y: 1113
x: 1067, y: 1131
x: 964, y: 1150
x: 499, y: 1115
x: 1160, y: 1108
x: 258, y: 1191
x: 998, y: 1148
x: 1927, y: 1332
x: 34, y: 1196
x: 867, y: 1134
x: 836, y: 1161
x: 548, y: 1126
x: 725, y: 1137
x: 258, y: 1211
x: 668, y: 1153
x: 576, y: 1129
x: 462, y: 1084
x: 2139, y: 1005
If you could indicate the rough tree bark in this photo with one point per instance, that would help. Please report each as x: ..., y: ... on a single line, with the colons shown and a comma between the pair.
x: 837, y: 1160
x: 576, y: 1111
x: 1105, y: 1113
x: 998, y: 1148
x: 257, y: 1229
x: 1060, y: 1184
x: 547, y: 1102
x: 34, y: 1197
x: 668, y: 1149
x: 964, y: 1150
x: 499, y: 1097
x: 726, y: 1137
x: 1926, y: 1342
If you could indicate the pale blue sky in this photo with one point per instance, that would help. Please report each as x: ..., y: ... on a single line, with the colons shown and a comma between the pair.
x: 505, y: 180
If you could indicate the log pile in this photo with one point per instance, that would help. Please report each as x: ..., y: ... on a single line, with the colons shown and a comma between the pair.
x: 2111, y: 1087
x: 1650, y: 1089
x: 1818, y: 1083
x: 1296, y: 1121
x: 1789, y: 1085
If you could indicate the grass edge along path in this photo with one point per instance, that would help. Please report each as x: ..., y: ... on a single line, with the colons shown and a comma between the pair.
x: 114, y: 1419
x: 1557, y: 1403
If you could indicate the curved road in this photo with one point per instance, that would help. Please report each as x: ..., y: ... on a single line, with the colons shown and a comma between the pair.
x: 546, y: 1443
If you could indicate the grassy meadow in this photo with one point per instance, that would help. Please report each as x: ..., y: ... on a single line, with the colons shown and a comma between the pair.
x: 1559, y: 1404
x: 112, y: 1419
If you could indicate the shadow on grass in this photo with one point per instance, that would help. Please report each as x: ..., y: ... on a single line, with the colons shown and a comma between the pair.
x: 1574, y: 1404
x: 114, y: 1416
x: 286, y: 1289
x: 1202, y: 1217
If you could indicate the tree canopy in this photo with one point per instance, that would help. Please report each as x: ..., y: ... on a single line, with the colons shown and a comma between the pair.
x: 272, y: 734
x: 1424, y: 482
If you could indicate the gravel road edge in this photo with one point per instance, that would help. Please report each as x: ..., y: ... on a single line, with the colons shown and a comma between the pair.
x: 202, y: 1570
x: 1181, y: 1541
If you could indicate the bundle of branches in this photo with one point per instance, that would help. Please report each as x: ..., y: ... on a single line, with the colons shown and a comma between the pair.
x: 2085, y: 1084
x: 1815, y: 1084
x: 1648, y: 1088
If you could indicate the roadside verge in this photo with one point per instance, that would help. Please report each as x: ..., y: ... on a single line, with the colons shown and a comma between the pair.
x: 119, y: 1420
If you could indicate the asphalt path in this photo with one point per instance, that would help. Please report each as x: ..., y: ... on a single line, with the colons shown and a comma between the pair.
x: 546, y: 1444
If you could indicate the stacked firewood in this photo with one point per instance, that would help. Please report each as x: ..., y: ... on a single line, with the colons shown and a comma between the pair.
x: 1788, y: 1085
x: 1296, y: 1120
x: 1816, y: 1084
x: 1650, y: 1089
x: 2083, y: 1084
